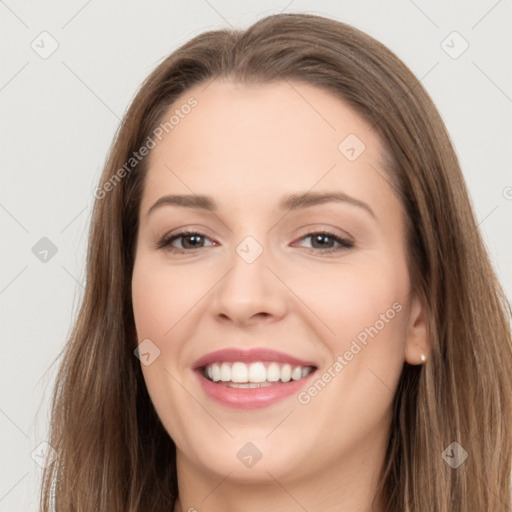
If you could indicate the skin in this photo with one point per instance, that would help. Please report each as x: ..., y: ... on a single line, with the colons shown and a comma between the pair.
x: 247, y: 146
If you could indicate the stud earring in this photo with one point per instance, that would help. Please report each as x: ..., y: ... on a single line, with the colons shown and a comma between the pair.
x: 423, y: 358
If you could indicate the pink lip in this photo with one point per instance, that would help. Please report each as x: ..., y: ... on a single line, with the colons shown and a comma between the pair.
x: 255, y: 398
x: 248, y: 356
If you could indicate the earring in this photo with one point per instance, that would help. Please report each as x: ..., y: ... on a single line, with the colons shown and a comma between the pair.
x: 423, y: 358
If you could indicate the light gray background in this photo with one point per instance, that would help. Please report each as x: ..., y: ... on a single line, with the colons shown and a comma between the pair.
x: 59, y: 115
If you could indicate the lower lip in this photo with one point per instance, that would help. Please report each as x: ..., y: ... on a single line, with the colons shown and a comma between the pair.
x: 251, y: 398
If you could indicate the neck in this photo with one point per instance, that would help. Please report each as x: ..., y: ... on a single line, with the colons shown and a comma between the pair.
x: 347, y: 487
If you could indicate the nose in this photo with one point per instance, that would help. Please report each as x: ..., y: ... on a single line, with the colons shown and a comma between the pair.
x: 249, y: 293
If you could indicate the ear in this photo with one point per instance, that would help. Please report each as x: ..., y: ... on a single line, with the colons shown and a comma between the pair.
x: 416, y: 343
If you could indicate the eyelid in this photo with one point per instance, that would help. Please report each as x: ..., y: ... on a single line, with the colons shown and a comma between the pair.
x: 328, y: 230
x: 344, y: 241
x: 165, y: 241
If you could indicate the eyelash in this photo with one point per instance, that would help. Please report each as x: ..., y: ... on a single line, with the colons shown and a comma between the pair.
x: 166, y: 241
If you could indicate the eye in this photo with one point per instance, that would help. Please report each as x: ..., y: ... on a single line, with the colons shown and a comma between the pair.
x: 326, y: 242
x: 189, y: 240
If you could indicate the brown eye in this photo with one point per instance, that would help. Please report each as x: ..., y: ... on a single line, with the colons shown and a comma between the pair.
x: 328, y: 242
x: 187, y: 240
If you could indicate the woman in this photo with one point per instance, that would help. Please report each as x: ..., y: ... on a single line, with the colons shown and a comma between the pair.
x: 288, y: 304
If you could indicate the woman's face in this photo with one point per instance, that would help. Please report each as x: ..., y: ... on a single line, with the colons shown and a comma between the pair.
x: 275, y: 333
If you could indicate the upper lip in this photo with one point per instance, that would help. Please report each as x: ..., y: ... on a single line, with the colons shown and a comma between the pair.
x: 248, y: 356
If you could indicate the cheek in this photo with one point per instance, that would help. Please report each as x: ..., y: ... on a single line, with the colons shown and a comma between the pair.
x: 351, y: 297
x: 161, y: 297
x: 365, y: 305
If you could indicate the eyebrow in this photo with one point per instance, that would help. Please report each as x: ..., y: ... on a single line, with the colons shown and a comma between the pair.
x: 291, y: 202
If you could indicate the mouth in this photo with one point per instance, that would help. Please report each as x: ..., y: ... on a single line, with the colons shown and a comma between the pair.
x: 251, y: 379
x: 254, y: 375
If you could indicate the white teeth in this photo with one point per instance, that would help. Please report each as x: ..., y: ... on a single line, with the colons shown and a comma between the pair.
x: 258, y: 374
x: 239, y: 373
x: 249, y: 385
x: 273, y: 372
x: 286, y: 373
x: 297, y: 373
x: 225, y: 372
x: 215, y: 372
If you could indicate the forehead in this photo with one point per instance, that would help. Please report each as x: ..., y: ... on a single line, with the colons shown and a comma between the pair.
x: 250, y: 142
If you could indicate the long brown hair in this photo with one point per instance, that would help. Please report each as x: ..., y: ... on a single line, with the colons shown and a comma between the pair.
x: 112, y: 452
